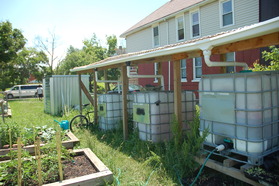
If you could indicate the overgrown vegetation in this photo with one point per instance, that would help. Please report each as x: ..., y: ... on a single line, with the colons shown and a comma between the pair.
x: 272, y: 56
x: 133, y: 161
x: 9, y: 172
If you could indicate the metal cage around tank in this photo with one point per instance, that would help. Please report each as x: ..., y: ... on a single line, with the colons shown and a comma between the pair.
x: 242, y: 109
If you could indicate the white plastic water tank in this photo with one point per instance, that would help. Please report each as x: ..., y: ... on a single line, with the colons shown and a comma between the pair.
x: 153, y: 112
x: 242, y: 107
x: 110, y: 110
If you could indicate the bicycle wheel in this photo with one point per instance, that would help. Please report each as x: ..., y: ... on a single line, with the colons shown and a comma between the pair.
x: 78, y: 122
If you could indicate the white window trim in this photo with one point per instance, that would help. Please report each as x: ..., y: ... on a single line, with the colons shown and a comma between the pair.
x: 155, y: 70
x: 221, y: 13
x: 232, y: 60
x: 176, y: 22
x: 153, y: 42
x: 191, y: 23
x: 194, y: 72
x: 184, y: 79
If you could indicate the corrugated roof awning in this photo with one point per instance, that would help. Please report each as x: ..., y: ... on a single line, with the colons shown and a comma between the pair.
x: 233, y: 36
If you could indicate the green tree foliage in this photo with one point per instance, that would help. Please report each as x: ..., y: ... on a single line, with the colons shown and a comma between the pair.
x: 75, y: 57
x: 272, y: 56
x: 91, y: 52
x: 112, y: 44
x: 11, y: 42
x: 30, y: 61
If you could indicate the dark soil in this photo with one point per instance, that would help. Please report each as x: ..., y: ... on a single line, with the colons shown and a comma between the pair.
x: 79, y: 166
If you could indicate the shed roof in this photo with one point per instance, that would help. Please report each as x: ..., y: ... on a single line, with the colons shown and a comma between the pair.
x: 170, y: 8
x: 222, y: 38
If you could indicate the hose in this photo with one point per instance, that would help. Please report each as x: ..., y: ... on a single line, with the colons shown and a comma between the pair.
x: 199, y: 173
x: 116, y: 178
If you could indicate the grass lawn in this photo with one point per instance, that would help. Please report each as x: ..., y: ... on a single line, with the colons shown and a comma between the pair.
x: 133, y: 162
x: 126, y: 169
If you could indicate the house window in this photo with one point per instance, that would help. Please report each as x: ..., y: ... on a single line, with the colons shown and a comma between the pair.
x: 195, y: 20
x: 156, y: 36
x: 197, y: 68
x: 156, y: 72
x: 183, y: 70
x: 180, y: 28
x: 230, y: 57
x: 227, y: 12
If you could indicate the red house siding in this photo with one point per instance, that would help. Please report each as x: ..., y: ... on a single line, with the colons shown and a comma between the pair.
x: 248, y: 56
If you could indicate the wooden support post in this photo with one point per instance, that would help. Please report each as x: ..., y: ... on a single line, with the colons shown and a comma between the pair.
x: 177, y: 92
x: 95, y: 99
x: 125, y: 85
x: 106, y: 78
x: 87, y: 94
x: 79, y: 93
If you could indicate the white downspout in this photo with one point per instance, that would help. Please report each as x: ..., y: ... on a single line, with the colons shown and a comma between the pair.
x: 107, y: 81
x: 146, y: 76
x: 207, y: 54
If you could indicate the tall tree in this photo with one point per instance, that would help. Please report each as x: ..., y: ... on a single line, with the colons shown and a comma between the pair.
x: 75, y: 57
x: 49, y: 46
x: 112, y: 44
x: 11, y: 42
x: 31, y: 62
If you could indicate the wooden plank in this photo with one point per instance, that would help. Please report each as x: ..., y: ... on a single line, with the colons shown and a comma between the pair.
x: 152, y: 60
x: 112, y: 66
x: 230, y: 163
x: 125, y: 84
x: 85, y: 71
x: 177, y: 92
x: 258, y: 42
x: 84, y: 89
x: 230, y: 171
x: 179, y: 56
x: 95, y: 99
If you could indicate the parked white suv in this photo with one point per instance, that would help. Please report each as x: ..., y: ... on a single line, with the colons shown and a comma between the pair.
x: 22, y: 91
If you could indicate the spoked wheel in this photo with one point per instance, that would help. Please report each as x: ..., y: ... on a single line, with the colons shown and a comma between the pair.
x: 78, y: 122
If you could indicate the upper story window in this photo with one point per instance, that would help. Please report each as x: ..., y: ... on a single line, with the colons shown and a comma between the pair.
x: 197, y: 68
x: 195, y: 21
x: 180, y: 28
x: 156, y: 36
x: 183, y: 69
x: 156, y: 72
x: 230, y: 57
x: 226, y: 12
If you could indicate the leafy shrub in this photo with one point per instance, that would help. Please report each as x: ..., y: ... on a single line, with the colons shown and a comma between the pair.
x: 272, y: 56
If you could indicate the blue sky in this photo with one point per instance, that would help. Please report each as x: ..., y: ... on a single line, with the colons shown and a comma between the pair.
x: 75, y: 20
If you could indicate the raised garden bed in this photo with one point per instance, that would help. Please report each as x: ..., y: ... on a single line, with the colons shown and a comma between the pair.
x: 85, y: 168
x: 69, y: 143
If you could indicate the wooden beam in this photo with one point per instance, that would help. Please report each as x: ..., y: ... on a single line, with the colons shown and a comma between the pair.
x: 95, y: 99
x: 230, y: 171
x: 177, y: 92
x: 85, y: 71
x: 86, y: 92
x: 125, y: 84
x: 151, y: 60
x: 258, y: 42
x: 179, y: 56
x: 112, y: 66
